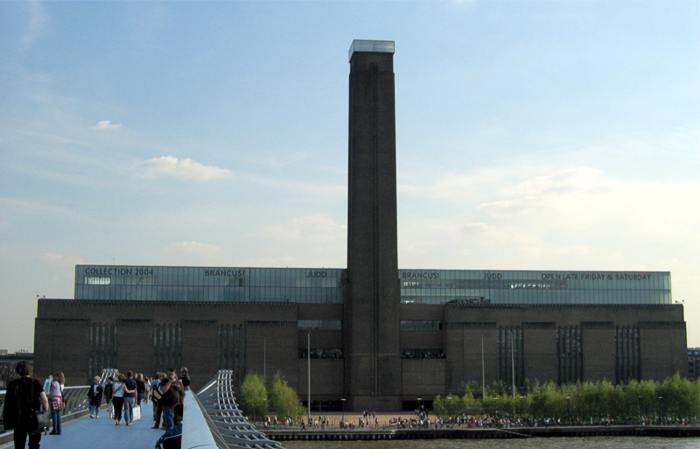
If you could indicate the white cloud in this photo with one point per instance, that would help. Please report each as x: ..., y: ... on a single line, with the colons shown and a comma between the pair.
x: 194, y: 248
x: 107, y: 125
x: 551, y: 218
x: 181, y: 168
x: 37, y: 22
x: 53, y: 258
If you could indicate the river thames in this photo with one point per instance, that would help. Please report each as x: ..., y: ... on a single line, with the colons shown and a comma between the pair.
x: 531, y: 443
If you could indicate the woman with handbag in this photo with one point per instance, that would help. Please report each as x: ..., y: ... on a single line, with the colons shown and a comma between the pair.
x: 95, y: 397
x: 24, y: 400
x: 59, y: 381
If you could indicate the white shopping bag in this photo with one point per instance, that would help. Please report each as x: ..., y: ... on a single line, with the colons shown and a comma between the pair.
x: 137, y: 413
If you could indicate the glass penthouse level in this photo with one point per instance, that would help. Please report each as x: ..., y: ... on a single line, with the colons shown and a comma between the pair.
x: 326, y: 286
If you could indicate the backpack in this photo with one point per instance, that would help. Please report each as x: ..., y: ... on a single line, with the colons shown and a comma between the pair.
x: 26, y: 414
x: 108, y: 390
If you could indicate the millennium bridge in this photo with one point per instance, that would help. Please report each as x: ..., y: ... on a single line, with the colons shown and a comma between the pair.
x: 212, y: 420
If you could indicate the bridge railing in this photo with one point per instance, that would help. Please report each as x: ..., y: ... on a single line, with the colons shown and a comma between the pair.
x: 195, y: 428
x: 2, y: 404
x: 228, y: 427
x: 75, y: 398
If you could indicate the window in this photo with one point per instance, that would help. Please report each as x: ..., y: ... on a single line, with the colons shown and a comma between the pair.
x: 92, y: 280
x: 326, y: 325
x: 420, y: 325
x: 321, y: 353
x: 435, y: 353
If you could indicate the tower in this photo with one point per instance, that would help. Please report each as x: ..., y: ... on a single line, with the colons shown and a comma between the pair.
x: 371, y: 310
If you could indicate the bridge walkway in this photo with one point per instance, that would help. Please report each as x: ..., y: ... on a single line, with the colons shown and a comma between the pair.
x: 102, y: 433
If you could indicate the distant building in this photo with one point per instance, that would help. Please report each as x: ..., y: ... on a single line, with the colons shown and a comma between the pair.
x: 378, y: 336
x: 694, y: 363
x: 8, y: 361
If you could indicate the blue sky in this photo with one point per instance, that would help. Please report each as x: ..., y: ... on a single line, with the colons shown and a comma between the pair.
x: 530, y: 135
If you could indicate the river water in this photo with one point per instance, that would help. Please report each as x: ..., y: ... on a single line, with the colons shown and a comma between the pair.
x: 529, y: 443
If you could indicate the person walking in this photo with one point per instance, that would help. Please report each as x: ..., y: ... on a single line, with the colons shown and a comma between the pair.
x: 155, y: 399
x: 172, y: 391
x: 185, y: 378
x: 118, y: 398
x: 146, y: 389
x: 108, y: 396
x: 47, y: 383
x: 95, y: 397
x: 140, y: 389
x: 130, y: 389
x: 57, y: 405
x: 24, y: 398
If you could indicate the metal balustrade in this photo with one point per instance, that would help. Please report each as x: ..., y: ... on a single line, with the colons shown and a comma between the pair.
x: 75, y: 398
x: 212, y: 417
x: 107, y: 373
x: 2, y: 404
x: 230, y: 429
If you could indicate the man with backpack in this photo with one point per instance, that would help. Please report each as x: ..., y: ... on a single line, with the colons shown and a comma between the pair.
x: 25, y: 398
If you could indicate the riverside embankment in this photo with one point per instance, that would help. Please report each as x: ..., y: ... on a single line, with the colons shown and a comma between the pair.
x: 289, y: 434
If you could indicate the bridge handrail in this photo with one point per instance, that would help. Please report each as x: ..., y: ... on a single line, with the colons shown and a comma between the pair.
x: 2, y: 404
x: 228, y: 426
x: 196, y: 432
x: 74, y: 397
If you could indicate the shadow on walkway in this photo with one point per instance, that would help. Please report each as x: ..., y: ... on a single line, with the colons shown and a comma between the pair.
x: 102, y: 433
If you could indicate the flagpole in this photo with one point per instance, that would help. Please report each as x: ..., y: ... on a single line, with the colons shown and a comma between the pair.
x: 483, y: 371
x: 308, y: 368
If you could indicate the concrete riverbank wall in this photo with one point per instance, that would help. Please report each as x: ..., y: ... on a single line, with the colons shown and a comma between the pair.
x: 465, y: 433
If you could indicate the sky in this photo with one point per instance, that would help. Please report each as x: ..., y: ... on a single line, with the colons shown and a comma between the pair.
x: 530, y: 135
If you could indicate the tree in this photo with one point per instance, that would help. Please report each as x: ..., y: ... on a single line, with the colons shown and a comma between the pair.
x: 498, y: 405
x: 584, y: 402
x: 469, y: 403
x: 439, y: 407
x: 284, y: 400
x: 547, y: 401
x: 454, y: 404
x: 253, y: 396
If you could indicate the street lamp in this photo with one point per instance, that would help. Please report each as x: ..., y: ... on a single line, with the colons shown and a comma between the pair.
x: 308, y: 368
x: 342, y: 403
x: 420, y: 408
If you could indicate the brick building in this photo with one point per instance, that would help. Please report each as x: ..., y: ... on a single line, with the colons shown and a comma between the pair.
x: 378, y: 336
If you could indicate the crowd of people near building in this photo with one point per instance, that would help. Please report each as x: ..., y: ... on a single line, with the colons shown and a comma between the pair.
x: 365, y: 420
x: 489, y: 421
x: 28, y: 403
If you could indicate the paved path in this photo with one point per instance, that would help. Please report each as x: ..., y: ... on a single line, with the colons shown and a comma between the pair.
x: 86, y: 433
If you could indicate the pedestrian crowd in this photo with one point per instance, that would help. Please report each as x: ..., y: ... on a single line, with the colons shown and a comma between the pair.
x: 29, y: 404
x: 166, y: 392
